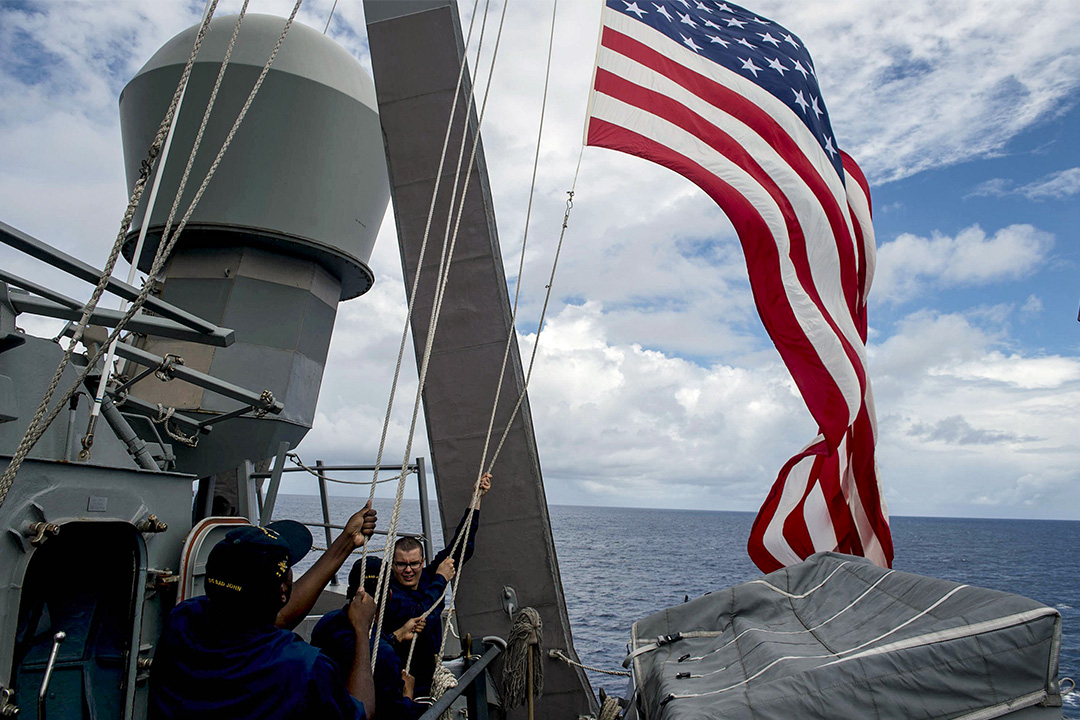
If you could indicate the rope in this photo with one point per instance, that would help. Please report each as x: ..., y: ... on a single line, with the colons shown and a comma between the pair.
x: 442, y: 681
x: 610, y: 710
x: 526, y: 634
x: 558, y: 654
x: 162, y: 419
x: 384, y: 573
x: 35, y: 429
x: 296, y: 461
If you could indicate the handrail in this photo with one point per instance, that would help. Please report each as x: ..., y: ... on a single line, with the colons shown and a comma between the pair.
x: 464, y: 682
x: 60, y: 260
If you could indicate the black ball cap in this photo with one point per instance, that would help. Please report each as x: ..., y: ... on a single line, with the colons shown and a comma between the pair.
x: 251, y: 557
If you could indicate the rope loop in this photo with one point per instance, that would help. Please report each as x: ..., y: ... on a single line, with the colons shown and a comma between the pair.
x: 267, y: 399
x: 164, y: 371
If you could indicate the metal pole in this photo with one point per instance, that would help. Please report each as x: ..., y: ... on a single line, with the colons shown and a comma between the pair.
x: 425, y: 515
x: 267, y: 513
x: 325, y: 510
x: 44, y: 691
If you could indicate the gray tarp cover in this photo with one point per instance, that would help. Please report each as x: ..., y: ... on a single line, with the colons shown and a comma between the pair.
x: 839, y: 637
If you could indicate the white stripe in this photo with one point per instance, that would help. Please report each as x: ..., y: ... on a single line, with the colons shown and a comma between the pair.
x: 818, y: 519
x: 773, y: 537
x: 667, y: 47
x: 820, y: 239
x: 821, y: 245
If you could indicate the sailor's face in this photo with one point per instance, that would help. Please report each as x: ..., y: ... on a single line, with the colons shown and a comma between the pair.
x: 407, y: 567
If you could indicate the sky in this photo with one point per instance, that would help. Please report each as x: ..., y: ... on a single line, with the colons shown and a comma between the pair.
x: 655, y: 384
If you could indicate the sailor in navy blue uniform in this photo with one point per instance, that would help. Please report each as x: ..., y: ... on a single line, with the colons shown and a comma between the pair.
x: 418, y: 586
x: 223, y: 655
x: 334, y: 636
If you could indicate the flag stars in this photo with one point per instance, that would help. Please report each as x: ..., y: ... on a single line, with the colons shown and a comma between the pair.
x: 686, y: 19
x: 801, y: 69
x: 714, y: 26
x: 799, y: 99
x: 767, y: 37
x: 702, y: 8
x: 791, y: 41
x: 814, y: 106
x: 778, y: 66
x: 718, y: 40
x: 748, y: 64
x: 743, y: 41
x: 663, y: 11
x: 829, y: 146
x: 689, y: 42
x: 685, y: 4
x: 723, y: 7
x: 632, y: 7
x: 735, y: 22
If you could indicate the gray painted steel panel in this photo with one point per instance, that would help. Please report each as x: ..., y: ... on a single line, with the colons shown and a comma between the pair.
x: 415, y: 60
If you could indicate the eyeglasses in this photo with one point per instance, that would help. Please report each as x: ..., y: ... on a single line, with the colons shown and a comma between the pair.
x: 401, y: 564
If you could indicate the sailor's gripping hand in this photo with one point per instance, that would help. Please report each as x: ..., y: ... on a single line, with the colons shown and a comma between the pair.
x: 361, y: 525
x: 361, y: 612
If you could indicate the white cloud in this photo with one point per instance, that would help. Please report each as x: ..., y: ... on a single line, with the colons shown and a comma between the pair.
x: 1055, y: 186
x: 908, y: 265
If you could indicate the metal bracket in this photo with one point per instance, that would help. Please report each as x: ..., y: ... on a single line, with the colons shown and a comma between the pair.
x: 8, y: 708
x: 509, y: 601
x: 38, y: 532
x: 151, y: 525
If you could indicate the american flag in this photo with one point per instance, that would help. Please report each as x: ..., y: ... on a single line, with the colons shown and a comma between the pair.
x: 730, y: 100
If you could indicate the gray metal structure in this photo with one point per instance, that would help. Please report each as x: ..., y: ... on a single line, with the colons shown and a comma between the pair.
x: 416, y: 53
x: 93, y: 542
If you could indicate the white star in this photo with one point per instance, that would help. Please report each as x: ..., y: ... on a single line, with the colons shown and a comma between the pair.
x: 723, y: 7
x: 722, y: 41
x: 685, y: 4
x: 710, y: 23
x: 759, y: 21
x: 701, y: 6
x: 814, y: 106
x: 632, y: 7
x: 743, y: 41
x: 789, y: 39
x: 778, y: 66
x: 735, y: 22
x: 689, y: 42
x: 800, y: 100
x: 767, y: 37
x: 829, y: 147
x: 800, y: 68
x: 663, y: 11
x: 748, y: 64
x: 685, y: 19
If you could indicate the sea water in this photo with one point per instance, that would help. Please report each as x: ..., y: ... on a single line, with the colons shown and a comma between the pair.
x: 619, y: 565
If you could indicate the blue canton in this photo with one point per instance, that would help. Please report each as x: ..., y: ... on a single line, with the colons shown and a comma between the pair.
x: 748, y: 44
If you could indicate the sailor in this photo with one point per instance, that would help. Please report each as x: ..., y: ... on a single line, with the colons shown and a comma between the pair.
x: 416, y: 587
x: 334, y: 636
x: 226, y: 654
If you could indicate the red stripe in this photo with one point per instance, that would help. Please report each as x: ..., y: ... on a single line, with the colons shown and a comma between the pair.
x: 762, y: 123
x: 819, y: 388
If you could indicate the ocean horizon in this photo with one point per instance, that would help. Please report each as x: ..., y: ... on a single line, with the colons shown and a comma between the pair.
x: 619, y: 565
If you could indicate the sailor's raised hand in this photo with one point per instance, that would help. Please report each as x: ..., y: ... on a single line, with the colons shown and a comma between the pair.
x: 485, y: 484
x: 361, y: 525
x: 446, y: 569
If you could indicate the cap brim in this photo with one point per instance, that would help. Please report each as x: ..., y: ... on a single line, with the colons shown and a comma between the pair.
x: 296, y: 536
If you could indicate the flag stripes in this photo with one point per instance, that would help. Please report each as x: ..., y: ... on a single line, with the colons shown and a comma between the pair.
x: 805, y: 233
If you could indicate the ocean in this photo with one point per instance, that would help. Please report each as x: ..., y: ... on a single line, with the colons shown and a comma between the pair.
x: 619, y: 565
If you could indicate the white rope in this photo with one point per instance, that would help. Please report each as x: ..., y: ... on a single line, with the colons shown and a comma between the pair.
x: 37, y: 426
x: 384, y: 570
x: 558, y: 654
